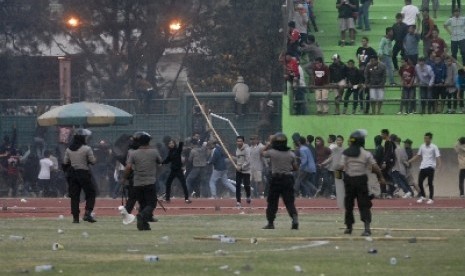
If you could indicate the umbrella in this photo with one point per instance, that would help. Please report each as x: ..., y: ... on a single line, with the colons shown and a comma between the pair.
x: 85, y: 114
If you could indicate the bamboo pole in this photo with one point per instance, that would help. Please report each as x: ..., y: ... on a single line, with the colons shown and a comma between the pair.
x: 342, y: 238
x: 210, y: 125
x: 411, y: 229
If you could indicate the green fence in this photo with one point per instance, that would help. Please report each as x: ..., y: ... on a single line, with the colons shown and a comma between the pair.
x: 171, y: 117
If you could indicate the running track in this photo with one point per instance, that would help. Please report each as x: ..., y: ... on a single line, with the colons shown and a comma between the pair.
x: 51, y: 207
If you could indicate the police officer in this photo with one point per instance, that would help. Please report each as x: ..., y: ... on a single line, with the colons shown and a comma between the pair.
x: 77, y: 158
x: 355, y: 162
x: 283, y: 163
x: 143, y: 163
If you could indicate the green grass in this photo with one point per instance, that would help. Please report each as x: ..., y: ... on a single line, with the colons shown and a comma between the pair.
x: 105, y: 251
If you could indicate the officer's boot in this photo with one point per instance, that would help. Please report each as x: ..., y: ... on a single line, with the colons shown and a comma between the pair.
x: 76, y: 218
x: 88, y: 217
x: 367, y: 231
x: 348, y: 230
x: 295, y: 222
x: 270, y: 225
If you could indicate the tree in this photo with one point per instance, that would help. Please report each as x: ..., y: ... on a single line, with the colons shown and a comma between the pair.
x: 242, y: 38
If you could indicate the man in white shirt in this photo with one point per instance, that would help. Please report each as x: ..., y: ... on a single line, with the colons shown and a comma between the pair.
x: 455, y: 26
x: 430, y: 160
x: 44, y: 183
x: 410, y: 13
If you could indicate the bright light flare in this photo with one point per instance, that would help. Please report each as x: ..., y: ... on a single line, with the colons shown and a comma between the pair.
x: 73, y: 22
x: 175, y: 26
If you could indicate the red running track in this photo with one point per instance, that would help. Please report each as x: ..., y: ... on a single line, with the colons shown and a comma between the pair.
x: 50, y: 207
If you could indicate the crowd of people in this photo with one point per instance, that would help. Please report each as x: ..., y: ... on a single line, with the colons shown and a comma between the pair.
x: 433, y: 70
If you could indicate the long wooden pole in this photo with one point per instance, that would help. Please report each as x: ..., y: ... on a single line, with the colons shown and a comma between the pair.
x: 210, y: 124
x: 411, y: 229
x: 342, y: 238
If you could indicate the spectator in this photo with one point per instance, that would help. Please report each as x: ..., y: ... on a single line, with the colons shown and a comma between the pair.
x: 411, y: 41
x: 407, y: 75
x: 322, y: 153
x: 144, y: 91
x: 410, y: 179
x: 427, y: 27
x: 197, y: 177
x: 399, y: 30
x: 346, y: 20
x: 363, y: 15
x: 12, y: 172
x: 385, y: 53
x: 264, y: 125
x: 378, y: 155
x: 460, y: 84
x: 425, y: 79
x: 292, y: 74
x: 311, y: 14
x: 451, y: 90
x: 439, y: 91
x: 299, y: 95
x: 307, y: 169
x: 410, y: 13
x: 455, y: 26
x: 293, y: 40
x: 456, y: 5
x: 399, y: 170
x: 389, y: 158
x: 313, y: 51
x: 354, y: 87
x: 363, y: 54
x: 220, y: 172
x: 430, y: 161
x: 320, y: 73
x: 338, y: 75
x: 257, y: 166
x: 300, y: 18
x: 241, y: 96
x: 460, y: 150
x: 425, y: 5
x: 44, y: 183
x: 375, y: 78
x: 438, y: 45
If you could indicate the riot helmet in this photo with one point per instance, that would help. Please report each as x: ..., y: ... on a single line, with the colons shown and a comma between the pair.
x: 279, y: 142
x: 142, y: 138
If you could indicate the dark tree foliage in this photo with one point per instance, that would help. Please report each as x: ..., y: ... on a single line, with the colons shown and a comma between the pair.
x: 241, y: 38
x: 115, y: 40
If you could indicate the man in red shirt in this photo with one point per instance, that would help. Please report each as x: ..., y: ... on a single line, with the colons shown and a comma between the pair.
x: 438, y: 45
x: 293, y: 40
x: 292, y: 74
x: 321, y: 78
x: 407, y: 75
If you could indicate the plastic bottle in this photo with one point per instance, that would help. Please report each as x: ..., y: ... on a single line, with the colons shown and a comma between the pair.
x: 228, y: 240
x: 16, y: 238
x: 393, y: 261
x: 151, y: 258
x: 40, y: 268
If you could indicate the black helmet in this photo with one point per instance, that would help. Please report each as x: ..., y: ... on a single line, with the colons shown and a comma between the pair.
x: 279, y: 142
x: 83, y: 132
x: 142, y: 138
x: 357, y: 138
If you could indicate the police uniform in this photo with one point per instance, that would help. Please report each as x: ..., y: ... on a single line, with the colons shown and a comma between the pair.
x: 77, y: 158
x: 143, y: 163
x: 283, y: 163
x: 356, y: 161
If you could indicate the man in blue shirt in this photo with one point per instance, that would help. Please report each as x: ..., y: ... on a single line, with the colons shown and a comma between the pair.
x: 307, y: 169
